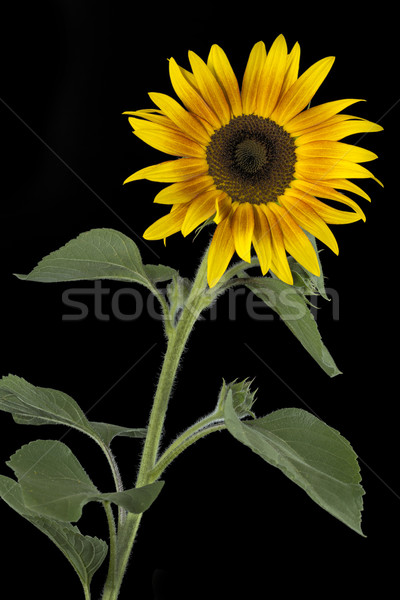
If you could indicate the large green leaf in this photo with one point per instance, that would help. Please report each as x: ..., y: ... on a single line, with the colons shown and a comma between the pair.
x: 293, y: 310
x: 85, y: 553
x: 31, y: 405
x: 54, y: 483
x: 310, y: 453
x: 98, y: 254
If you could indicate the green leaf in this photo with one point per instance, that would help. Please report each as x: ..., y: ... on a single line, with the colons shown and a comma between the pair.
x: 85, y: 553
x: 98, y: 254
x: 293, y: 310
x: 31, y: 405
x: 54, y: 483
x: 136, y: 500
x: 107, y: 432
x: 309, y: 452
x: 160, y: 273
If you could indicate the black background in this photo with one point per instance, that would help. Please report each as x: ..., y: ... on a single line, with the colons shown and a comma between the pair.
x: 225, y: 522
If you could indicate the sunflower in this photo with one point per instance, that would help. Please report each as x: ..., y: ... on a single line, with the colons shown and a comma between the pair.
x: 257, y: 160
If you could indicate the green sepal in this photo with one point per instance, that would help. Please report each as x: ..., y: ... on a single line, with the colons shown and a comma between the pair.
x: 302, y: 282
x: 313, y: 455
x: 85, y: 553
x: 54, y: 483
x: 241, y: 397
x: 206, y: 223
x: 306, y: 283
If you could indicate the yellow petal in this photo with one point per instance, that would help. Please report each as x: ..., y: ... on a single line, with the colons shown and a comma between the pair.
x: 349, y: 186
x: 271, y: 78
x: 252, y: 76
x: 302, y: 91
x: 184, y: 191
x: 329, y: 195
x: 279, y: 261
x: 330, y: 168
x: 339, y: 129
x: 275, y: 270
x: 169, y: 171
x: 220, y: 66
x: 141, y: 118
x: 223, y: 206
x: 292, y: 69
x: 336, y: 150
x: 167, y: 225
x: 183, y: 119
x: 220, y: 253
x: 190, y: 78
x: 333, y: 215
x: 190, y: 96
x: 309, y: 220
x: 170, y: 142
x: 262, y: 239
x: 242, y: 229
x: 296, y: 241
x: 316, y: 115
x: 200, y: 209
x: 325, y: 189
x: 210, y: 89
x: 334, y: 120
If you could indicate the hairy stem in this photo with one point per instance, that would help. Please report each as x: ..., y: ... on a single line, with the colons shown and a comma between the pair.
x: 177, y: 337
x: 196, y: 302
x: 117, y: 479
x: 109, y: 587
x: 172, y: 358
x: 182, y: 443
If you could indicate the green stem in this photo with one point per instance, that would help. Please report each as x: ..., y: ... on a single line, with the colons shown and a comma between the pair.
x: 87, y: 593
x: 172, y: 358
x: 202, y: 424
x: 177, y: 337
x: 109, y: 587
x: 183, y: 442
x: 117, y: 479
x: 164, y: 305
x: 196, y: 302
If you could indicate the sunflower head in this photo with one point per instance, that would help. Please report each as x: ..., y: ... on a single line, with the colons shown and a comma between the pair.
x: 254, y: 158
